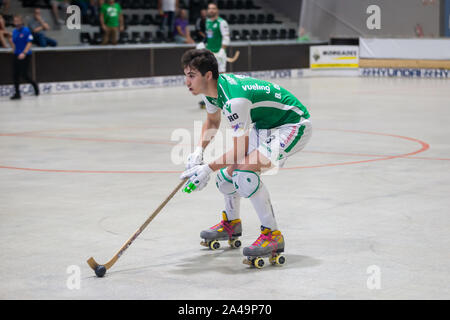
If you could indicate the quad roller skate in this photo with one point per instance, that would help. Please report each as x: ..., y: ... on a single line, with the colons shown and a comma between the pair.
x: 269, y: 244
x: 229, y: 230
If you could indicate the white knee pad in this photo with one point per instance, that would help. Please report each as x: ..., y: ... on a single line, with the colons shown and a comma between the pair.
x: 246, y: 183
x: 224, y: 183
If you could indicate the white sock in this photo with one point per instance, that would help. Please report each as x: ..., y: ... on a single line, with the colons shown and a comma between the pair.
x: 263, y: 207
x: 232, y: 206
x: 232, y: 202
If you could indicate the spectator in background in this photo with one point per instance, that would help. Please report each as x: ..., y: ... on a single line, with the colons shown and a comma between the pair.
x: 5, y: 35
x: 182, y: 33
x: 167, y: 9
x: 4, y: 6
x: 95, y: 7
x: 200, y: 26
x: 56, y: 6
x: 303, y: 36
x: 22, y: 41
x: 111, y: 21
x: 38, y: 27
x: 195, y: 8
x: 88, y: 8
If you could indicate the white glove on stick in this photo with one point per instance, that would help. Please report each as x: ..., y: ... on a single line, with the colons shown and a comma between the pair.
x: 198, y: 178
x: 195, y: 158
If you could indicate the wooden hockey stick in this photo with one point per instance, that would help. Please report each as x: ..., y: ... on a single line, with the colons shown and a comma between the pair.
x: 101, y: 269
x: 235, y: 57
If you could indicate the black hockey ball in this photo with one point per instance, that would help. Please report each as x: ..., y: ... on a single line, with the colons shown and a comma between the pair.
x: 100, y: 271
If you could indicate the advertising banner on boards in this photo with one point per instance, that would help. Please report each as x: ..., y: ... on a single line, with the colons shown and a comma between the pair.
x: 334, y: 57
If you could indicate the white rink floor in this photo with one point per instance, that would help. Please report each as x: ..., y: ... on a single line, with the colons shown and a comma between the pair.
x: 366, y: 202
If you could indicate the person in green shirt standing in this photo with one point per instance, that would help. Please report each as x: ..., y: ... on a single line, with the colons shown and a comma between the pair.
x: 268, y: 125
x: 217, y: 38
x: 217, y: 35
x: 111, y: 21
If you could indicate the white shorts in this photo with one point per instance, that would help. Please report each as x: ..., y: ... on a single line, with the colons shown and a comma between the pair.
x: 279, y: 143
x: 221, y: 57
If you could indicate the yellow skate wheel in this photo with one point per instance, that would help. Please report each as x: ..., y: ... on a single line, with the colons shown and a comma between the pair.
x: 214, y: 245
x: 258, y: 263
x: 236, y: 243
x: 280, y: 260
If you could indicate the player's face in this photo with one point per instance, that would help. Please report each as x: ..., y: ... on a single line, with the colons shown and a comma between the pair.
x: 213, y: 11
x: 195, y: 82
x: 18, y: 22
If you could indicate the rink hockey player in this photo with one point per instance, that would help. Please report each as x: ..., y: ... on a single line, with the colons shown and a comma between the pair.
x: 269, y: 124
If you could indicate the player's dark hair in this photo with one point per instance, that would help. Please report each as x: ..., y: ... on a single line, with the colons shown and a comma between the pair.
x: 214, y: 3
x: 202, y: 60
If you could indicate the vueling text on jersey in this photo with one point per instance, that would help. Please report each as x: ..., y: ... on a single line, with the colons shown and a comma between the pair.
x: 256, y: 87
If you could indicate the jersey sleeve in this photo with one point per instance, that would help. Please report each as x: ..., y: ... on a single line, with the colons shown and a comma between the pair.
x: 28, y: 35
x: 210, y: 108
x: 225, y: 31
x: 238, y: 115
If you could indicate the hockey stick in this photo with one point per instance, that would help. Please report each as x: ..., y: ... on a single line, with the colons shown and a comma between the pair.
x: 100, y: 269
x: 235, y: 57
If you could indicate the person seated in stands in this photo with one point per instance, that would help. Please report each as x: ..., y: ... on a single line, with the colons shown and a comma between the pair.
x: 56, y: 6
x: 200, y: 26
x: 4, y: 6
x: 182, y: 33
x: 38, y: 26
x: 5, y: 35
x: 111, y: 21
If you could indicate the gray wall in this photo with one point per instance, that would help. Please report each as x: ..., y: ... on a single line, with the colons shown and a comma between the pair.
x: 289, y: 8
x: 323, y: 19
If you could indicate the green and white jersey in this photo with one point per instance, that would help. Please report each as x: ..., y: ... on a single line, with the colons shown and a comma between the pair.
x: 217, y: 34
x: 244, y: 100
